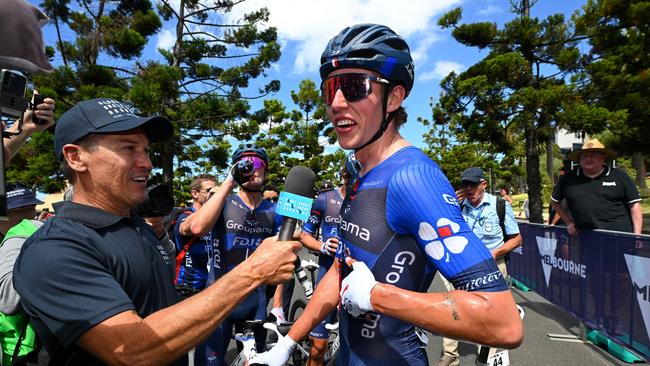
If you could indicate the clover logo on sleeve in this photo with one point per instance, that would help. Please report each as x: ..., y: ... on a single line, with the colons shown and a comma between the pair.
x: 441, y: 237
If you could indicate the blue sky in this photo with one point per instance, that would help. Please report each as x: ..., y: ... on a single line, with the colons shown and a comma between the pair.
x: 305, y: 26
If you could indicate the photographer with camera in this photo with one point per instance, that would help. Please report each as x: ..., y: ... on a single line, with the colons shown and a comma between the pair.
x: 237, y: 222
x: 94, y: 278
x: 23, y: 50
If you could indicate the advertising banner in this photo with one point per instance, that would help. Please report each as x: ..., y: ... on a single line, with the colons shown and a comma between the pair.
x: 601, y: 277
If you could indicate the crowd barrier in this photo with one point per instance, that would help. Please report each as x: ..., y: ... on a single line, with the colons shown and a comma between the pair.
x: 601, y: 277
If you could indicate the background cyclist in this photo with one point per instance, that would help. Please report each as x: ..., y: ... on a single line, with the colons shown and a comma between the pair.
x: 324, y: 217
x: 400, y: 220
x: 239, y: 221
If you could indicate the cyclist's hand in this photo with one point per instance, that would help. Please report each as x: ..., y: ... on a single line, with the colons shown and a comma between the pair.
x: 356, y: 288
x: 276, y: 356
x: 329, y: 246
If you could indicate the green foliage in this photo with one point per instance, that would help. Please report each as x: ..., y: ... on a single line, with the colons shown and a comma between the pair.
x: 505, y: 98
x: 615, y: 77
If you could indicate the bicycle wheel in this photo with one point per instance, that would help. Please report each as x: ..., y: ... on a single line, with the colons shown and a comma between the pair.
x: 296, y: 309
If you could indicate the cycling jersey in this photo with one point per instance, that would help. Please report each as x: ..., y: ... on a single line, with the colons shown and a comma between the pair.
x: 403, y: 220
x: 239, y: 231
x: 324, y: 216
x: 194, y: 268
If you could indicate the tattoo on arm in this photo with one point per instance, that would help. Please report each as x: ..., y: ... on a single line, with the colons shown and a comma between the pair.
x: 449, y: 301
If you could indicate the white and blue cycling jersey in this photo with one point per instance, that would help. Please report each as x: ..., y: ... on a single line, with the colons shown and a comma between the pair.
x: 324, y: 216
x: 403, y: 221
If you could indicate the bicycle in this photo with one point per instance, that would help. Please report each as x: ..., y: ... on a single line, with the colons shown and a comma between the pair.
x: 245, y: 334
x: 281, y: 331
x: 297, y: 307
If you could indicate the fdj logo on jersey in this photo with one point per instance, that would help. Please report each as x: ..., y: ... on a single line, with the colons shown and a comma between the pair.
x: 442, y: 238
x: 245, y: 242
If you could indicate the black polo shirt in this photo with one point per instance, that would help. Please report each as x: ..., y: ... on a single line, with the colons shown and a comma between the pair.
x: 84, y: 266
x: 602, y: 202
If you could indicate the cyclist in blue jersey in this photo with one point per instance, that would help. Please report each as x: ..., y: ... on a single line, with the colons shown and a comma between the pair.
x: 325, y: 218
x: 193, y: 269
x: 239, y: 222
x: 400, y: 221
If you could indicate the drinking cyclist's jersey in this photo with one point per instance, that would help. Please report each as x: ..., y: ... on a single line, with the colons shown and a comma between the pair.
x: 325, y: 215
x: 403, y: 220
x: 239, y: 231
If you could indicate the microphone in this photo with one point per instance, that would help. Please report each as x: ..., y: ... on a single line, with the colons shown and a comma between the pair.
x: 295, y: 201
x: 294, y: 204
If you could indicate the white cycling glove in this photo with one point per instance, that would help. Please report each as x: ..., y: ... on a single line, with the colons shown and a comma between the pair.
x: 276, y: 356
x: 279, y: 315
x: 355, y: 290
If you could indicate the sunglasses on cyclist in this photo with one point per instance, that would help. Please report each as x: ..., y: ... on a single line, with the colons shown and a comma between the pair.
x: 355, y: 86
x: 257, y: 162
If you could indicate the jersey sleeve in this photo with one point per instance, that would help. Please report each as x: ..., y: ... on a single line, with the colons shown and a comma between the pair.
x: 315, y: 216
x: 631, y: 192
x: 180, y: 240
x: 422, y: 203
x: 512, y: 228
x: 78, y: 295
x: 558, y: 191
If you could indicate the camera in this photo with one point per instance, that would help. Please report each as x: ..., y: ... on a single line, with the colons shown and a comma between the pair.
x: 13, y: 86
x: 158, y: 202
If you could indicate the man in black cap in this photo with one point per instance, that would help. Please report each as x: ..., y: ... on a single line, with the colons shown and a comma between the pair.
x: 21, y: 210
x: 94, y: 279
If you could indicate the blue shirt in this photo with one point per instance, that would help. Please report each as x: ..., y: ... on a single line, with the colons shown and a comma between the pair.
x: 325, y: 216
x: 403, y: 221
x: 484, y: 221
x: 194, y: 267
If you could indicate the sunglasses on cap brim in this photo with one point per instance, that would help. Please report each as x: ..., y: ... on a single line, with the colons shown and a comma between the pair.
x: 355, y: 86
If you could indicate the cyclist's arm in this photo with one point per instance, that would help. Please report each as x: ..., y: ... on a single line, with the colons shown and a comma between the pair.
x: 204, y: 219
x: 322, y: 303
x: 474, y: 316
x: 420, y: 203
x: 310, y: 242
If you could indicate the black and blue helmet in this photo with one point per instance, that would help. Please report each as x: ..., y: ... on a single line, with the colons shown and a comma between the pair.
x: 372, y: 47
x: 250, y: 150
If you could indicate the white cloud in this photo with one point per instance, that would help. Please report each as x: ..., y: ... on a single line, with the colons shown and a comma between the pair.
x: 489, y: 10
x: 441, y: 70
x: 309, y: 24
x: 166, y: 39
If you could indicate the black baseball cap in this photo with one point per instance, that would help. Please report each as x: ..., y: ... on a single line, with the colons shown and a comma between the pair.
x: 20, y: 197
x: 472, y: 174
x: 104, y: 116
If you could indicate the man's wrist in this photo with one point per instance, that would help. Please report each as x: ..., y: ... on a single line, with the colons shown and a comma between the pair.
x: 377, y: 293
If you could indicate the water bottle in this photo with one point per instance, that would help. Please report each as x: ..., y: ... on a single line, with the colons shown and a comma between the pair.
x: 304, y: 280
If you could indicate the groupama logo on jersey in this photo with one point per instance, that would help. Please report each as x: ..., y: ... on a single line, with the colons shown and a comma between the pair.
x: 639, y: 268
x: 441, y: 237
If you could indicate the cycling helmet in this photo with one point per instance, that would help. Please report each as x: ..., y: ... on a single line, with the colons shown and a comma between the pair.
x: 372, y: 47
x: 250, y: 150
